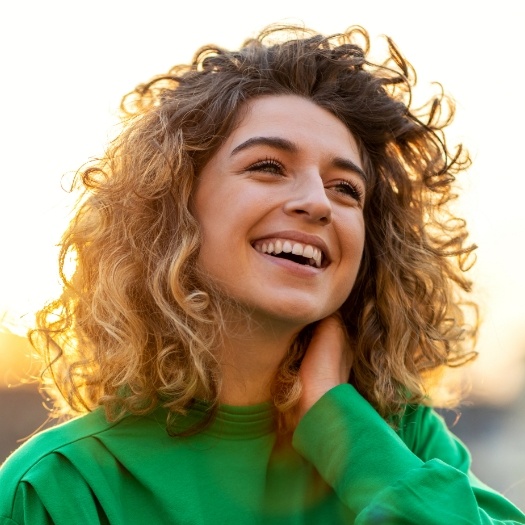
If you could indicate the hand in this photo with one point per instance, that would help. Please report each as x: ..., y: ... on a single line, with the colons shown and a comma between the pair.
x: 327, y: 362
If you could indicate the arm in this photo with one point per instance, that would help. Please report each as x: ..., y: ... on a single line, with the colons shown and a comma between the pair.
x: 376, y: 474
x: 420, y: 476
x: 46, y: 494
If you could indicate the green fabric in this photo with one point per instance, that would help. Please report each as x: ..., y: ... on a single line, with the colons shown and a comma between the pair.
x: 345, y: 465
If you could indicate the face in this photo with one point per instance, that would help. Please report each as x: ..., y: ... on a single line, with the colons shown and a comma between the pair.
x: 280, y: 206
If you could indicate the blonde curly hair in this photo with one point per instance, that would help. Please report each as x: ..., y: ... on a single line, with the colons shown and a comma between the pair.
x: 136, y: 323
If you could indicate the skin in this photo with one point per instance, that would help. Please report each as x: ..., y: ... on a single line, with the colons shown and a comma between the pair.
x: 326, y: 364
x: 290, y: 170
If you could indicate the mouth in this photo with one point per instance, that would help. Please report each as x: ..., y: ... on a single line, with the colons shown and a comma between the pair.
x: 297, y: 252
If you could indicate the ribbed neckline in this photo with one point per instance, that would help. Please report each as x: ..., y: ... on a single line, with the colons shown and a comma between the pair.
x: 237, y: 422
x: 231, y: 422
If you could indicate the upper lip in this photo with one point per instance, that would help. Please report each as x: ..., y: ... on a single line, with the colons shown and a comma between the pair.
x: 303, y: 238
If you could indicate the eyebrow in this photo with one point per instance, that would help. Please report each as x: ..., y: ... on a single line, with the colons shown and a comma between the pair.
x: 274, y: 142
x: 348, y: 165
x: 288, y: 146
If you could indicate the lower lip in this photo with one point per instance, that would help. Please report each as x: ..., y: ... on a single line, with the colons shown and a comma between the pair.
x: 302, y: 270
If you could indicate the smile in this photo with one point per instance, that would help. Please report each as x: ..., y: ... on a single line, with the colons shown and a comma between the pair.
x: 297, y: 252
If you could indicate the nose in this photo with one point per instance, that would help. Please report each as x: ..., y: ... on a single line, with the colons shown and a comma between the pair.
x: 309, y: 199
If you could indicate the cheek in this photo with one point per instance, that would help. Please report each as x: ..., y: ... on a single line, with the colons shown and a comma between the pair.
x: 352, y: 247
x: 221, y: 237
x: 353, y: 239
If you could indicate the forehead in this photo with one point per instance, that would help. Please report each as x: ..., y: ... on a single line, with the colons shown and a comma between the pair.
x: 296, y: 118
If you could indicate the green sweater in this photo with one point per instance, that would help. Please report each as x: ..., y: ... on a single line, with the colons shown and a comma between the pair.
x: 344, y: 465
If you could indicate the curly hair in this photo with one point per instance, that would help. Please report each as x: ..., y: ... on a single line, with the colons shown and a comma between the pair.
x: 136, y: 324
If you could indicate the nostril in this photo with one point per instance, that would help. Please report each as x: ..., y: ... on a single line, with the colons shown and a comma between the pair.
x: 325, y: 218
x: 313, y: 207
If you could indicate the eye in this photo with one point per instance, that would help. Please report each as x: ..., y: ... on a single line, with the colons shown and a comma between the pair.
x: 268, y: 165
x: 348, y: 189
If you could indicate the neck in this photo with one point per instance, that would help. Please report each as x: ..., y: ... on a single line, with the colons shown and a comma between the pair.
x: 250, y: 358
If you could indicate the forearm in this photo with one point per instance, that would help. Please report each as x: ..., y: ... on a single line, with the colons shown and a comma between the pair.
x: 382, y: 480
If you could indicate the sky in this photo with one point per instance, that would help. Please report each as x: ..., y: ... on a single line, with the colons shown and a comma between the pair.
x: 65, y: 66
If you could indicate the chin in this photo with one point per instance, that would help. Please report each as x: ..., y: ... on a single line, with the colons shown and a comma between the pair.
x: 294, y: 315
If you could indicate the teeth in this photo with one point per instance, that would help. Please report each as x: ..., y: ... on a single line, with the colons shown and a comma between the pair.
x: 313, y: 255
x: 297, y: 249
x: 317, y: 256
x: 287, y: 247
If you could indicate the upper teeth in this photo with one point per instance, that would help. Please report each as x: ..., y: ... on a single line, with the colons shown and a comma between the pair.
x: 306, y: 250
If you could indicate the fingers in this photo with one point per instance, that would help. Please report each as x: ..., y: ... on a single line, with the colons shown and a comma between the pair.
x: 327, y: 361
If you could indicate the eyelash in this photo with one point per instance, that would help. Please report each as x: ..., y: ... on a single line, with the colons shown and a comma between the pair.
x: 350, y: 189
x: 266, y: 165
x: 273, y: 166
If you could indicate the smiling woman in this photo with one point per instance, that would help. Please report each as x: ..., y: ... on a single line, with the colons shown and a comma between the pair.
x: 274, y: 182
x: 265, y: 263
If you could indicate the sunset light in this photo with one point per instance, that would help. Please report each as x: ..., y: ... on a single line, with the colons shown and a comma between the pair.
x: 66, y: 66
x: 64, y: 75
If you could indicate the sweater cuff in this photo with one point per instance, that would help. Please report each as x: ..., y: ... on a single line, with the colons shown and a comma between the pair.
x: 352, y: 447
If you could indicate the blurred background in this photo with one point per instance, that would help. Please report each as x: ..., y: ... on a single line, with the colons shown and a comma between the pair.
x: 65, y: 66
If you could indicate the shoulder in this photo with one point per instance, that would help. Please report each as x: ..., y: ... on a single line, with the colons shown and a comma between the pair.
x: 39, y: 460
x: 52, y: 440
x: 88, y: 457
x: 427, y: 435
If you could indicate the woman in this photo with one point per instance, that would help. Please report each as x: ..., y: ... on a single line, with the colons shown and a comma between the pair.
x: 267, y: 284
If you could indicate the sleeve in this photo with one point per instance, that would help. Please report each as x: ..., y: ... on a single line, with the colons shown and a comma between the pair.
x: 27, y: 508
x: 422, y: 477
x: 46, y: 494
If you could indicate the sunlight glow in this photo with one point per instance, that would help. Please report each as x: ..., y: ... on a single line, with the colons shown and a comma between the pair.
x: 66, y: 82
